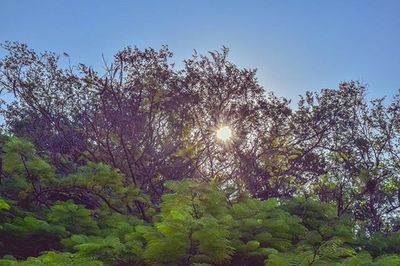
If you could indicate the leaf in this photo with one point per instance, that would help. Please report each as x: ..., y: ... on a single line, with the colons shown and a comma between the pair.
x: 4, y: 205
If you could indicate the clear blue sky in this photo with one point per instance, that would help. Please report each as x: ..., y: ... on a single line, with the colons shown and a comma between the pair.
x: 295, y: 45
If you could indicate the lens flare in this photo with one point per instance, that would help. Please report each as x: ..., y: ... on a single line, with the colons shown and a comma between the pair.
x: 224, y: 133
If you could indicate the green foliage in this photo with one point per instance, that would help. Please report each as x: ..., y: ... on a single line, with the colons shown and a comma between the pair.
x: 101, y: 180
x: 4, y: 205
x: 74, y: 218
x: 381, y: 243
x: 52, y: 259
x: 20, y: 160
x: 85, y: 219
x: 97, y: 176
x: 387, y: 260
x: 193, y: 227
x: 362, y: 258
x: 262, y: 224
x: 30, y: 225
x: 117, y: 240
x: 107, y: 248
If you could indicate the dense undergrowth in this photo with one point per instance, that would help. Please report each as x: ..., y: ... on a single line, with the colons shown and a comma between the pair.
x: 83, y: 218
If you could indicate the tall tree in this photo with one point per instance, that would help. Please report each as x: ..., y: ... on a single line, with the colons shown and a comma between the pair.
x: 156, y: 123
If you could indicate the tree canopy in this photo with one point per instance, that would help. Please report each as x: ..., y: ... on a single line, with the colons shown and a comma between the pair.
x: 124, y: 167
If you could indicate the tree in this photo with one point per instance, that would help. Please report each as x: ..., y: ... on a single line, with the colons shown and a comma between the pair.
x: 356, y: 144
x: 197, y: 223
x: 155, y: 124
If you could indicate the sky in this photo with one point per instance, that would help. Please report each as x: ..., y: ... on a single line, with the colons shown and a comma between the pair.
x: 295, y: 45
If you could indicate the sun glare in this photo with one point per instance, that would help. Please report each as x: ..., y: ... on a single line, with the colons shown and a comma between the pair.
x: 224, y: 133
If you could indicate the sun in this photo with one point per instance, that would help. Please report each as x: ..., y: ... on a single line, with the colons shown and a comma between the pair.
x: 224, y: 133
